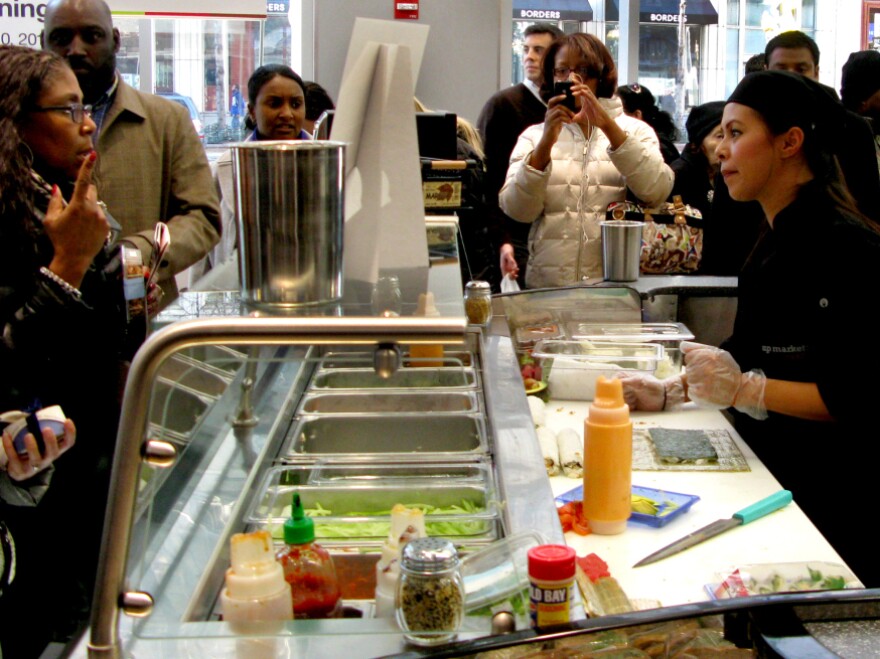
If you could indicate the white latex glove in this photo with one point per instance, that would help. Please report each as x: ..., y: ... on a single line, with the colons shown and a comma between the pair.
x: 650, y: 394
x: 716, y: 381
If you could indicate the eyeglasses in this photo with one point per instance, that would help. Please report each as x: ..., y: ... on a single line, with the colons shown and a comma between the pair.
x: 583, y: 71
x: 76, y: 111
x: 636, y: 88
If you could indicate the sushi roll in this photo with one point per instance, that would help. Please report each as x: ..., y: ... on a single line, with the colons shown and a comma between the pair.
x: 571, y: 452
x: 536, y: 407
x: 549, y: 449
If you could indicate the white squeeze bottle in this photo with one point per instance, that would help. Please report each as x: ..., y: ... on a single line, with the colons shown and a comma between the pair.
x: 608, y: 460
x: 255, y: 586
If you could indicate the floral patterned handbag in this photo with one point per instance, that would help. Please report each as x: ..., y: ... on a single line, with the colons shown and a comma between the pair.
x: 672, y: 238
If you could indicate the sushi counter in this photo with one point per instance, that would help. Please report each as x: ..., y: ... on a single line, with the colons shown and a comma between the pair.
x: 356, y: 413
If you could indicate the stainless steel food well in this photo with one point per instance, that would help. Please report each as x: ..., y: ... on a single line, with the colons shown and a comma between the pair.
x: 355, y: 509
x: 403, y: 378
x: 390, y: 403
x: 388, y: 437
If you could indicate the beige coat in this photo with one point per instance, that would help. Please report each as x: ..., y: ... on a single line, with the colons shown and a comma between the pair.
x: 152, y: 167
x: 566, y: 202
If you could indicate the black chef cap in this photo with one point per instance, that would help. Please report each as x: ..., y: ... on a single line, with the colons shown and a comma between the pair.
x: 786, y: 99
x: 702, y: 119
x: 861, y: 78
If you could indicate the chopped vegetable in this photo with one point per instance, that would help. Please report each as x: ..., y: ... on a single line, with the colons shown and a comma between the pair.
x: 571, y: 516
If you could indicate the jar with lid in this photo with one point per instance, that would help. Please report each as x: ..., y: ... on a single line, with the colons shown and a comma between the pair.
x: 386, y: 298
x: 478, y: 302
x: 430, y: 593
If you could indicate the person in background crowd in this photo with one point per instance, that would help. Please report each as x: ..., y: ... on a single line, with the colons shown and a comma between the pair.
x: 638, y: 102
x: 503, y: 118
x: 755, y: 63
x: 63, y: 321
x: 795, y: 396
x: 236, y: 108
x: 317, y: 102
x: 695, y: 170
x: 730, y: 227
x: 860, y: 89
x: 564, y: 173
x: 796, y: 52
x: 276, y: 110
x: 153, y: 166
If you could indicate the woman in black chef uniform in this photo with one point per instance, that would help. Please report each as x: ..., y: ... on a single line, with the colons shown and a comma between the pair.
x: 800, y: 370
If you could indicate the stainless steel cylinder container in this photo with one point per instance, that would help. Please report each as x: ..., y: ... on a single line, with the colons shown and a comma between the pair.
x: 289, y: 202
x: 621, y: 249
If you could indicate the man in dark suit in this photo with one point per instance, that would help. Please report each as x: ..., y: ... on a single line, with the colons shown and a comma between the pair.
x: 504, y: 116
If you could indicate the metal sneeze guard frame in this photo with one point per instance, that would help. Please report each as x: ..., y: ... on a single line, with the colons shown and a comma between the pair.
x: 111, y: 592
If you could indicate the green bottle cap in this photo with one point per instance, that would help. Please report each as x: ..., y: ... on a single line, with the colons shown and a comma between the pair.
x: 299, y: 529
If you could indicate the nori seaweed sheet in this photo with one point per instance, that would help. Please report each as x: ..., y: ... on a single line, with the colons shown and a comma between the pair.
x: 676, y: 445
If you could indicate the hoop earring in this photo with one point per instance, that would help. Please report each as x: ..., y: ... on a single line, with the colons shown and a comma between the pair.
x: 26, y: 154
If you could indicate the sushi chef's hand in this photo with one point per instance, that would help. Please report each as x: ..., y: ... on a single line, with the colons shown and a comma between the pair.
x: 650, y: 394
x: 715, y: 380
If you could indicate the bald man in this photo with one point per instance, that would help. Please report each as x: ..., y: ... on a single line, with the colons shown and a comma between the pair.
x: 151, y: 164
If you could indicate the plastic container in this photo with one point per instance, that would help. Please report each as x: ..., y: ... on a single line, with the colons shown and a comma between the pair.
x: 608, y: 460
x: 767, y: 578
x: 255, y: 586
x: 308, y: 569
x: 672, y: 505
x: 571, y: 368
x: 668, y: 335
x: 430, y: 593
x: 551, y: 584
x: 496, y: 577
x: 430, y: 354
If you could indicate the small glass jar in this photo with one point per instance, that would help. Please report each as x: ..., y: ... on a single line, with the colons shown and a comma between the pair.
x: 430, y: 593
x: 478, y: 302
x: 386, y: 300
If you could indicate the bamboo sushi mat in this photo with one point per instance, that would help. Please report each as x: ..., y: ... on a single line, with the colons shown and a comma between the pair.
x: 729, y: 456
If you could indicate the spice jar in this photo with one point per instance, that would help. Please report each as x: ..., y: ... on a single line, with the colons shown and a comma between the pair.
x: 551, y: 584
x: 478, y: 302
x: 430, y: 593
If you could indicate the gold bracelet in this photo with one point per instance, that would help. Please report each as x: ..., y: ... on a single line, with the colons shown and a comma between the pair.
x: 67, y: 288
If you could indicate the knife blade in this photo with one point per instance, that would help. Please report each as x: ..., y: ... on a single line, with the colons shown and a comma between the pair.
x: 749, y: 514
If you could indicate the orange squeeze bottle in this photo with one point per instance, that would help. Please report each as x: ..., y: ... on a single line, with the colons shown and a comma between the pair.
x: 608, y: 460
x: 430, y: 354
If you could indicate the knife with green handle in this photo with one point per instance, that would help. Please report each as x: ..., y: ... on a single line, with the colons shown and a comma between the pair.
x: 750, y: 514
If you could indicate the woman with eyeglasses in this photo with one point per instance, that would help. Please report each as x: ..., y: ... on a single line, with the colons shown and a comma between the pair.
x: 62, y: 321
x: 587, y: 153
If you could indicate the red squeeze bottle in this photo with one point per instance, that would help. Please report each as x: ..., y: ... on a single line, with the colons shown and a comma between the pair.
x: 308, y: 569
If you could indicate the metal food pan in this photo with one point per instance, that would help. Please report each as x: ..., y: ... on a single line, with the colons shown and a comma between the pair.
x: 361, y: 359
x: 400, y: 436
x: 390, y: 403
x: 404, y: 378
x: 356, y: 511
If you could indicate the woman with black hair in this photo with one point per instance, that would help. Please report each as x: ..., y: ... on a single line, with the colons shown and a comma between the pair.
x: 803, y: 398
x: 276, y: 110
x: 564, y: 173
x: 639, y: 102
x: 62, y: 322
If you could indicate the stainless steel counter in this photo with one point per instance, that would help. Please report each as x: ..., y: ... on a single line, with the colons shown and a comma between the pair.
x: 171, y: 512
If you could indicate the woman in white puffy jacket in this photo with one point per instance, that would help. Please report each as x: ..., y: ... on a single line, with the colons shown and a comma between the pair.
x: 564, y: 173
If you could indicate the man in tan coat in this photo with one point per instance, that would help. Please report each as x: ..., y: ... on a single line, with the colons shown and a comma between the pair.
x: 151, y: 164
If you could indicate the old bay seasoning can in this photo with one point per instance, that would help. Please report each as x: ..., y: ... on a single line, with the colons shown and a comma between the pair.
x: 551, y: 584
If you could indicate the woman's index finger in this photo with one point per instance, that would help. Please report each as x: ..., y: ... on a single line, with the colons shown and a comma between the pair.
x: 84, y: 177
